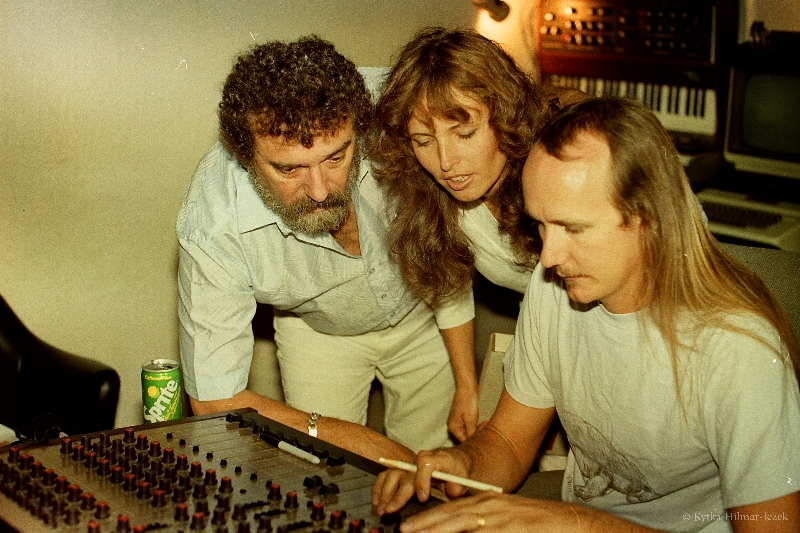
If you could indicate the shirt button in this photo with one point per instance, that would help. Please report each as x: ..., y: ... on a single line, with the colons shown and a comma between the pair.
x: 383, y: 296
x: 371, y: 270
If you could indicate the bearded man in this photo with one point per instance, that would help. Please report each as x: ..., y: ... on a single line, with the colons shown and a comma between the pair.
x: 284, y: 211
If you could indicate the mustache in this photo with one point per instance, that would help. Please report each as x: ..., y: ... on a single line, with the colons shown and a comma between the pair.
x: 307, y: 205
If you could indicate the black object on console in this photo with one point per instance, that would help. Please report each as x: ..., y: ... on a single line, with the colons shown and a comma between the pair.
x: 45, y: 391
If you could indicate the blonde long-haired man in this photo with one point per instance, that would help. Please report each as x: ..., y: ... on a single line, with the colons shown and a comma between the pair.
x: 672, y: 367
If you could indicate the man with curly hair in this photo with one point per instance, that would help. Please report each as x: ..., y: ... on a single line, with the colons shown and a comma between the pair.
x: 284, y: 211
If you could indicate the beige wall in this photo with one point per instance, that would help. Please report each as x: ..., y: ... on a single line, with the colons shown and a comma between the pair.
x: 105, y: 109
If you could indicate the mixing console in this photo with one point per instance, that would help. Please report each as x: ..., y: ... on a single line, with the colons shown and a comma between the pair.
x: 225, y: 473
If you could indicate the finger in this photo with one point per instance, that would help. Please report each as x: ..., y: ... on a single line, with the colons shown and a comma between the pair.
x: 422, y: 479
x: 458, y: 429
x: 391, y: 491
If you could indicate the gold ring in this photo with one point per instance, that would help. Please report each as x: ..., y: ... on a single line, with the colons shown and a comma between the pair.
x: 481, y: 522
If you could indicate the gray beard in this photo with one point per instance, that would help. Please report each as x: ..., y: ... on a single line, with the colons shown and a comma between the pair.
x: 299, y: 215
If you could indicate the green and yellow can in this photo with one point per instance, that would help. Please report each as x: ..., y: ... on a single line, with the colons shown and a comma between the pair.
x: 162, y: 391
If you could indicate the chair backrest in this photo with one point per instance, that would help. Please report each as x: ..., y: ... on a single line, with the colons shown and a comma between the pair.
x: 45, y: 390
x: 780, y: 270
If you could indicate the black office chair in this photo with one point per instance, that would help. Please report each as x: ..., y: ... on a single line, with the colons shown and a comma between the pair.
x: 45, y: 392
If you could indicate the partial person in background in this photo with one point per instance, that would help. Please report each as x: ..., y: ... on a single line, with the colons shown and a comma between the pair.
x: 285, y: 211
x: 672, y: 367
x: 457, y: 119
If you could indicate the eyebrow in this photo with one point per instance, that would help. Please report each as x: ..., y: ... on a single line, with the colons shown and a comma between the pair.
x: 289, y: 166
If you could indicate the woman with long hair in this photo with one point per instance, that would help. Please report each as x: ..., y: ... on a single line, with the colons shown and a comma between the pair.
x: 457, y: 119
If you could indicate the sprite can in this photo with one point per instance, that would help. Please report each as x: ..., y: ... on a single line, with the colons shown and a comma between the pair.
x: 162, y: 393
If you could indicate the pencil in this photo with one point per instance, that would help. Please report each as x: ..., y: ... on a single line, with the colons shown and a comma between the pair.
x: 297, y: 452
x: 464, y: 482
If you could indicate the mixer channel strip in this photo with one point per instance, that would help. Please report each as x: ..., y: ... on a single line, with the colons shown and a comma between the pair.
x: 217, y: 474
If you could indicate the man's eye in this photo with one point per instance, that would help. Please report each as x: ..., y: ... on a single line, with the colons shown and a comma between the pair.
x: 574, y: 229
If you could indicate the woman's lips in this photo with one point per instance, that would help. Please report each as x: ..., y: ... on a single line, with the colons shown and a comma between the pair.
x: 459, y: 183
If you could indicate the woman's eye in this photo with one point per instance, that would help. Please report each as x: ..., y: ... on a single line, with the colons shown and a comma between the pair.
x: 467, y: 135
x: 420, y: 144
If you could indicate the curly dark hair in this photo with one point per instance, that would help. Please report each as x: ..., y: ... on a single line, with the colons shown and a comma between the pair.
x: 299, y: 90
x: 437, y: 65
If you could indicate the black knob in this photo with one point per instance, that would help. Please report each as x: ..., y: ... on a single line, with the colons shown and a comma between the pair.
x: 201, y: 506
x: 182, y: 462
x: 72, y: 516
x: 159, y: 498
x: 181, y: 512
x: 211, y: 477
x: 218, y: 518
x: 155, y: 449
x: 226, y: 485
x: 74, y: 493
x: 198, y: 521
x: 78, y: 452
x: 103, y: 467
x: 274, y: 492
x: 337, y: 519
x: 123, y: 523
x: 291, y: 500
x: 101, y: 510
x: 129, y: 483
x: 179, y: 495
x: 87, y: 501
x: 116, y: 474
x: 143, y: 490
x: 169, y: 456
x: 66, y: 446
x: 196, y: 469
x: 239, y: 512
x: 92, y: 527
x: 90, y: 460
x: 318, y: 511
x: 264, y: 524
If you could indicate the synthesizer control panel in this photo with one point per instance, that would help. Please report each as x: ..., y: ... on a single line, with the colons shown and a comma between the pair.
x: 225, y: 473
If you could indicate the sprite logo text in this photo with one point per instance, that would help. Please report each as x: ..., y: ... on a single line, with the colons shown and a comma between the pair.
x: 164, y: 406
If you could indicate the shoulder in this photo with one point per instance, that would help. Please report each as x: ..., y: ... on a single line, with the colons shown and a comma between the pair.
x: 213, y: 192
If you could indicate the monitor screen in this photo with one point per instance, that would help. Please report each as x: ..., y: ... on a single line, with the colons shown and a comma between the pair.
x: 763, y: 128
x: 771, y: 114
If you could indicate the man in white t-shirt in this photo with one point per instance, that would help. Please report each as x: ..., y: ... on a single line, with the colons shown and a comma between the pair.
x: 672, y: 367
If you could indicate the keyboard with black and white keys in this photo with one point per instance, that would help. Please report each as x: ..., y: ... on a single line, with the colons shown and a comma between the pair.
x: 683, y: 109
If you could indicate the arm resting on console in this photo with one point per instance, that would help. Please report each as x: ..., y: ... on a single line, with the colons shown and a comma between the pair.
x: 352, y: 437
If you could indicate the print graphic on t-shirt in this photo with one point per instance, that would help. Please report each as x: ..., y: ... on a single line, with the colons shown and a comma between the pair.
x: 602, y: 466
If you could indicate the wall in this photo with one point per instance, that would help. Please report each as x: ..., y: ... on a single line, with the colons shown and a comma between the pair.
x: 781, y: 15
x: 106, y: 108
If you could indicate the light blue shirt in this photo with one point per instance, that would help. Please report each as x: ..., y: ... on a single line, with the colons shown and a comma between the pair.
x: 235, y: 252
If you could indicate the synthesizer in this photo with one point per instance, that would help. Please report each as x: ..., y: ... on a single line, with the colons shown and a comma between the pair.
x: 673, y: 56
x: 224, y: 473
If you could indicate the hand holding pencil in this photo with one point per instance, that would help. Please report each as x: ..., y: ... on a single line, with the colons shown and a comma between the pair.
x: 396, y: 486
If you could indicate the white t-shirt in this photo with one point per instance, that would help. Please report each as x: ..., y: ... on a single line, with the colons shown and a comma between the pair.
x: 494, y: 257
x: 634, y: 452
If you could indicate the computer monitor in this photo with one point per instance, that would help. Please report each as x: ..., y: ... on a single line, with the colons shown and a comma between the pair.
x: 763, y: 127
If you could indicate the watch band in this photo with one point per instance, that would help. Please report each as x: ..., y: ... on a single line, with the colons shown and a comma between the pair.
x: 312, y: 424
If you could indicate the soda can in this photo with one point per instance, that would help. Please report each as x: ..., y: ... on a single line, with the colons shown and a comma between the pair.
x: 162, y: 393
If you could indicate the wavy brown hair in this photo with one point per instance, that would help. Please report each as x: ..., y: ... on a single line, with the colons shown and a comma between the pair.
x: 688, y: 272
x: 300, y: 90
x: 437, y: 66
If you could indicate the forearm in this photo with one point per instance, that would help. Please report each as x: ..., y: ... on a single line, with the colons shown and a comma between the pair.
x: 460, y: 342
x: 352, y: 437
